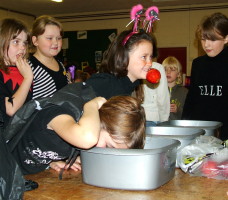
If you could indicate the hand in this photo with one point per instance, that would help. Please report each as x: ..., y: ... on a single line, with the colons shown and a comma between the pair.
x: 58, y: 165
x: 173, y: 107
x: 24, y: 68
x: 77, y: 164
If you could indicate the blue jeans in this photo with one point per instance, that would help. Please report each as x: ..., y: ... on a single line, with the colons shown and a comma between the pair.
x: 151, y: 123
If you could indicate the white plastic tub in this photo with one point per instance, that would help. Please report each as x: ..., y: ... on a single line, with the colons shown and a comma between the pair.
x: 131, y: 169
x: 183, y: 134
x: 211, y: 127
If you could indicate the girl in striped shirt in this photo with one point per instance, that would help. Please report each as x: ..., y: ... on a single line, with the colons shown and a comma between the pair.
x: 49, y: 73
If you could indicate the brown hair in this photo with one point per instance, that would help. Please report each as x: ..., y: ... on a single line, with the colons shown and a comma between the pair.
x: 214, y: 27
x: 9, y: 30
x: 123, y: 118
x: 173, y: 62
x: 116, y: 58
x: 81, y: 76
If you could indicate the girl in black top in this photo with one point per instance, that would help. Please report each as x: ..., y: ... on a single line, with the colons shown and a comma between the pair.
x: 49, y: 73
x: 126, y: 61
x: 57, y: 129
x: 207, y: 98
x: 15, y: 73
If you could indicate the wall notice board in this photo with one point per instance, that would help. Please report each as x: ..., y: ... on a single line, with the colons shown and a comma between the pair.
x: 83, y: 46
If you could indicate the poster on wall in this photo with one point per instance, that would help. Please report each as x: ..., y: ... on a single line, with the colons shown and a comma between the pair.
x: 112, y: 37
x: 78, y: 51
x: 98, y: 56
x: 82, y: 35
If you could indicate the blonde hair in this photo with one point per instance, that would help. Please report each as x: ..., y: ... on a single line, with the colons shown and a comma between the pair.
x: 40, y: 24
x: 123, y: 118
x: 173, y: 62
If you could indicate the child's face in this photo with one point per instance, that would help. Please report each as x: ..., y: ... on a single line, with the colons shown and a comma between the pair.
x: 140, y: 60
x: 105, y: 140
x: 50, y: 42
x: 17, y: 48
x: 213, y: 48
x: 171, y: 74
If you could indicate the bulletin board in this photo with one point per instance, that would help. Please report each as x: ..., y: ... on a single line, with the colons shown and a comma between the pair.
x: 87, y: 46
x: 179, y: 52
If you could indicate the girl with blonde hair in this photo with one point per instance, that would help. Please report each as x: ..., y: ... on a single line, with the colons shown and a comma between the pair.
x: 178, y: 92
x: 49, y: 73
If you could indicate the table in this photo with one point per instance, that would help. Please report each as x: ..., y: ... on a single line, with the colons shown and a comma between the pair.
x: 182, y: 186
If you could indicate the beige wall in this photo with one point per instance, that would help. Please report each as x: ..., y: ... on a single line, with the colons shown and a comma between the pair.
x: 28, y: 20
x: 176, y: 27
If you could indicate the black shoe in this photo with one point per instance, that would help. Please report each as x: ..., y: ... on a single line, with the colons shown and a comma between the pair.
x: 30, y: 185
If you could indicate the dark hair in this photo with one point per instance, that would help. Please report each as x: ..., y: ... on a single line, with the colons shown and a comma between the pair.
x: 9, y: 30
x: 123, y: 118
x: 213, y: 26
x: 116, y: 58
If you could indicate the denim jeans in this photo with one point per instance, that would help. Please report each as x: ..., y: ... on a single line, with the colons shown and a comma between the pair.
x: 151, y: 123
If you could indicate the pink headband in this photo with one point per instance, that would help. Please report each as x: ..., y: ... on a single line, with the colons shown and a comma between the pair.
x: 127, y: 37
x: 151, y: 15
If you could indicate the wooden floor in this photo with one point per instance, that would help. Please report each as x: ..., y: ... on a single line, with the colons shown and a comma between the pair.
x: 181, y: 187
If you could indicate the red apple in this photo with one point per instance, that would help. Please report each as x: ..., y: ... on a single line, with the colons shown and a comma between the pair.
x: 153, y: 76
x: 209, y: 168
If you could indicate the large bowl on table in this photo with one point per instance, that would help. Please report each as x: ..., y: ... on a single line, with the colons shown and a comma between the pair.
x: 131, y: 169
x: 183, y: 134
x: 212, y: 128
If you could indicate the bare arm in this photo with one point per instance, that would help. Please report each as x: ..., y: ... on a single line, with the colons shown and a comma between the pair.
x: 85, y: 133
x: 21, y: 94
